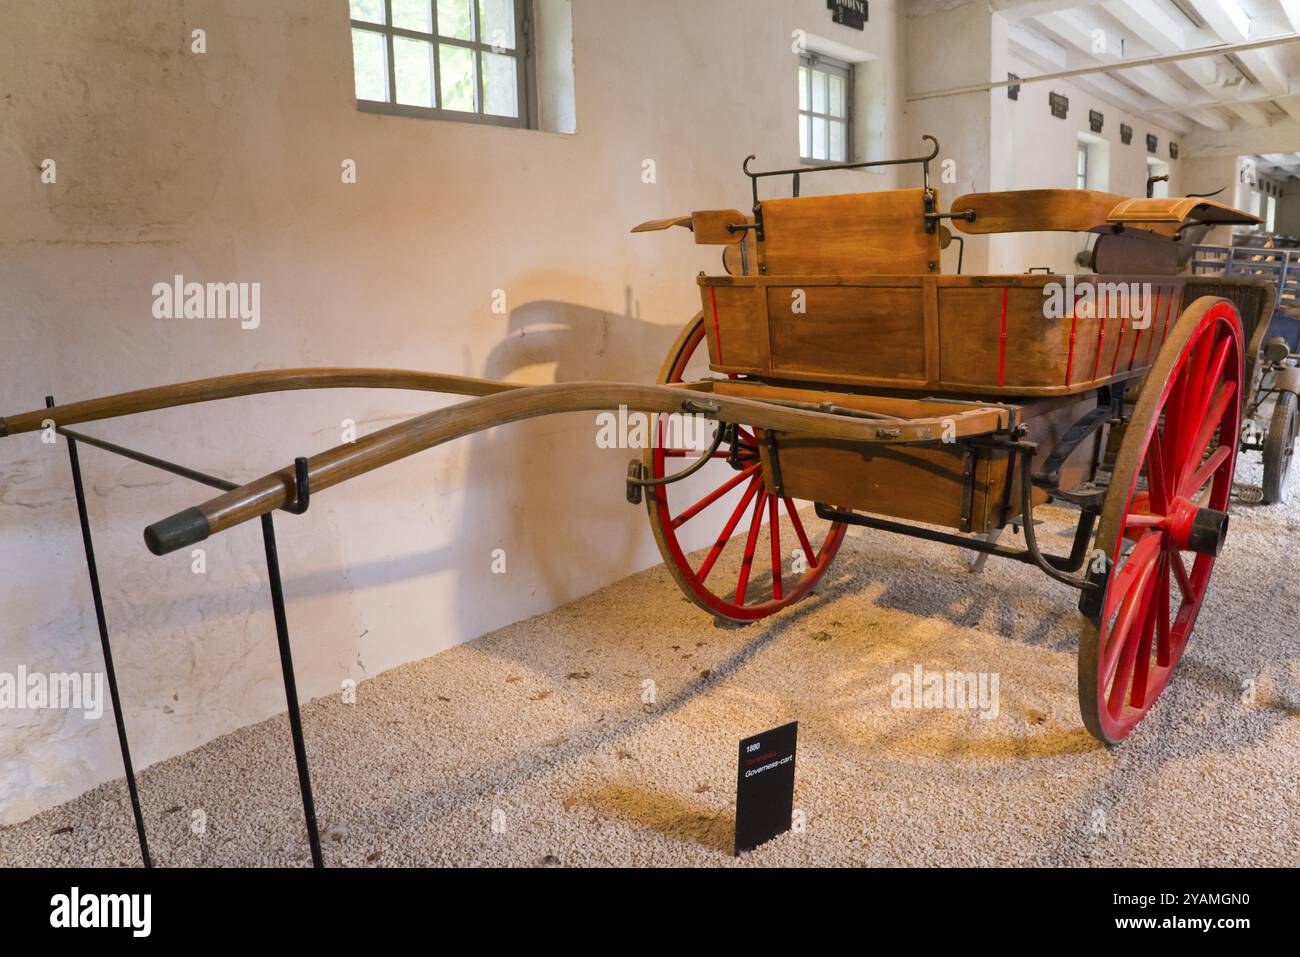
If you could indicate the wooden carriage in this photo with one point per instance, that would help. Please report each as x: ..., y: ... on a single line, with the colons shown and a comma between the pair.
x: 844, y: 369
x: 839, y: 302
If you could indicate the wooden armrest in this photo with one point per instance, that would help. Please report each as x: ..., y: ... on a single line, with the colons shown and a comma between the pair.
x: 1035, y: 210
x: 657, y: 224
x: 1179, y: 210
x: 712, y: 227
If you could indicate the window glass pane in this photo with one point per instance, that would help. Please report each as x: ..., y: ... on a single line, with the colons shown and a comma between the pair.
x: 837, y: 141
x: 496, y: 25
x: 370, y: 62
x: 818, y: 91
x: 803, y: 88
x: 500, y: 85
x: 837, y: 95
x: 455, y: 19
x: 819, y: 138
x: 413, y: 64
x: 1272, y: 213
x: 412, y: 15
x: 456, y: 72
x: 372, y: 11
x: 803, y: 135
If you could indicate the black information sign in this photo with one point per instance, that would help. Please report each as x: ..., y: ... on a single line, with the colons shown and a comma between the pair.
x: 1125, y: 133
x: 1059, y: 104
x: 1152, y: 142
x: 765, y: 786
x: 1013, y: 89
x: 1095, y: 120
x: 849, y: 13
x: 1173, y: 151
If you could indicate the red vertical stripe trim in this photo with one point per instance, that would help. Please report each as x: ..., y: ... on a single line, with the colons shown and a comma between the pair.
x: 1002, y: 348
x: 1133, y: 355
x: 1074, y: 334
x: 717, y: 334
x: 1101, y: 339
x: 1123, y: 324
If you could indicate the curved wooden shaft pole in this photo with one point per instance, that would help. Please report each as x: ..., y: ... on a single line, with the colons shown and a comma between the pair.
x: 434, y: 428
x: 248, y: 383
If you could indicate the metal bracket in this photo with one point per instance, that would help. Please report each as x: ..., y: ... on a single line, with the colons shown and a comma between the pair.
x: 778, y: 484
x: 301, y: 488
x: 967, y: 487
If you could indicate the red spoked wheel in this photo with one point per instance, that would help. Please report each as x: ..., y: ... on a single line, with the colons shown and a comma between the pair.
x: 1166, y: 506
x: 729, y: 495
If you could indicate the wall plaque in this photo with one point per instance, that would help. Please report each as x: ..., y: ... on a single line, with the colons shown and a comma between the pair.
x: 1095, y: 119
x: 848, y: 13
x: 1059, y: 104
x: 1125, y: 134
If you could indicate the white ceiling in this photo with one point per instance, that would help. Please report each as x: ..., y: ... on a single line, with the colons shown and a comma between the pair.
x: 1217, y: 95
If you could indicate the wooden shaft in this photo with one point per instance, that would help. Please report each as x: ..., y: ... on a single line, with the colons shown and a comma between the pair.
x: 343, y: 462
x: 248, y: 383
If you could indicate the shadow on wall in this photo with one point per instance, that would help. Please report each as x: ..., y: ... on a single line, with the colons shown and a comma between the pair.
x: 553, y: 537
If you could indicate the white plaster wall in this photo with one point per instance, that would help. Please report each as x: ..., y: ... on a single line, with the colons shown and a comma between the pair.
x: 226, y: 167
x: 1041, y: 155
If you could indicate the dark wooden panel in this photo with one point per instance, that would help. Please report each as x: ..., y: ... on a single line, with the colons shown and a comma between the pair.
x: 876, y: 333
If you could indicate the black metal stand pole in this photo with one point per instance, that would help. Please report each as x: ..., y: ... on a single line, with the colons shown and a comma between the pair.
x: 109, y: 671
x: 291, y: 688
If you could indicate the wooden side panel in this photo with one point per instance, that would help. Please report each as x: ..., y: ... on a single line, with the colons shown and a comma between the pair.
x: 973, y: 350
x: 926, y: 483
x: 847, y: 332
x: 736, y: 329
x: 858, y: 234
x: 1015, y: 335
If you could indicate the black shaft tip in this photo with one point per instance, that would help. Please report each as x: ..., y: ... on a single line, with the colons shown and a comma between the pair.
x: 177, y: 531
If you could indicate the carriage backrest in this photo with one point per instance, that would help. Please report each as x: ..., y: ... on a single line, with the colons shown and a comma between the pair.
x: 857, y: 234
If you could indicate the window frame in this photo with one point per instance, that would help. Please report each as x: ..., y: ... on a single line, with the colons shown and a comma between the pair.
x: 1081, y: 160
x: 829, y: 65
x: 524, y: 64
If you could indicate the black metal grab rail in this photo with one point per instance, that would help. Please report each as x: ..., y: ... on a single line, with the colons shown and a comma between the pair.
x: 277, y: 606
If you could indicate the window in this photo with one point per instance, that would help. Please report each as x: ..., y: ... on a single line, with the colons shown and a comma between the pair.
x: 448, y: 59
x: 1158, y: 168
x: 1081, y: 166
x: 825, y: 109
x: 1272, y: 214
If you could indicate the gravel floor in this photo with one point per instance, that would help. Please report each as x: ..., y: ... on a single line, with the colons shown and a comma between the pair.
x: 532, y: 745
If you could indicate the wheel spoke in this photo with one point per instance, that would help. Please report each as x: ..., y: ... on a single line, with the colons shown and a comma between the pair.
x: 1128, y: 573
x: 1202, y: 475
x: 1157, y: 489
x: 774, y: 533
x: 1134, y: 596
x: 1162, y: 613
x: 690, y: 453
x: 1196, y: 448
x: 1197, y: 390
x: 742, y: 583
x: 716, y: 494
x: 1144, y: 520
x: 729, y: 528
x: 1140, y: 603
x: 798, y: 530
x: 1180, y: 573
x: 1142, y: 666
